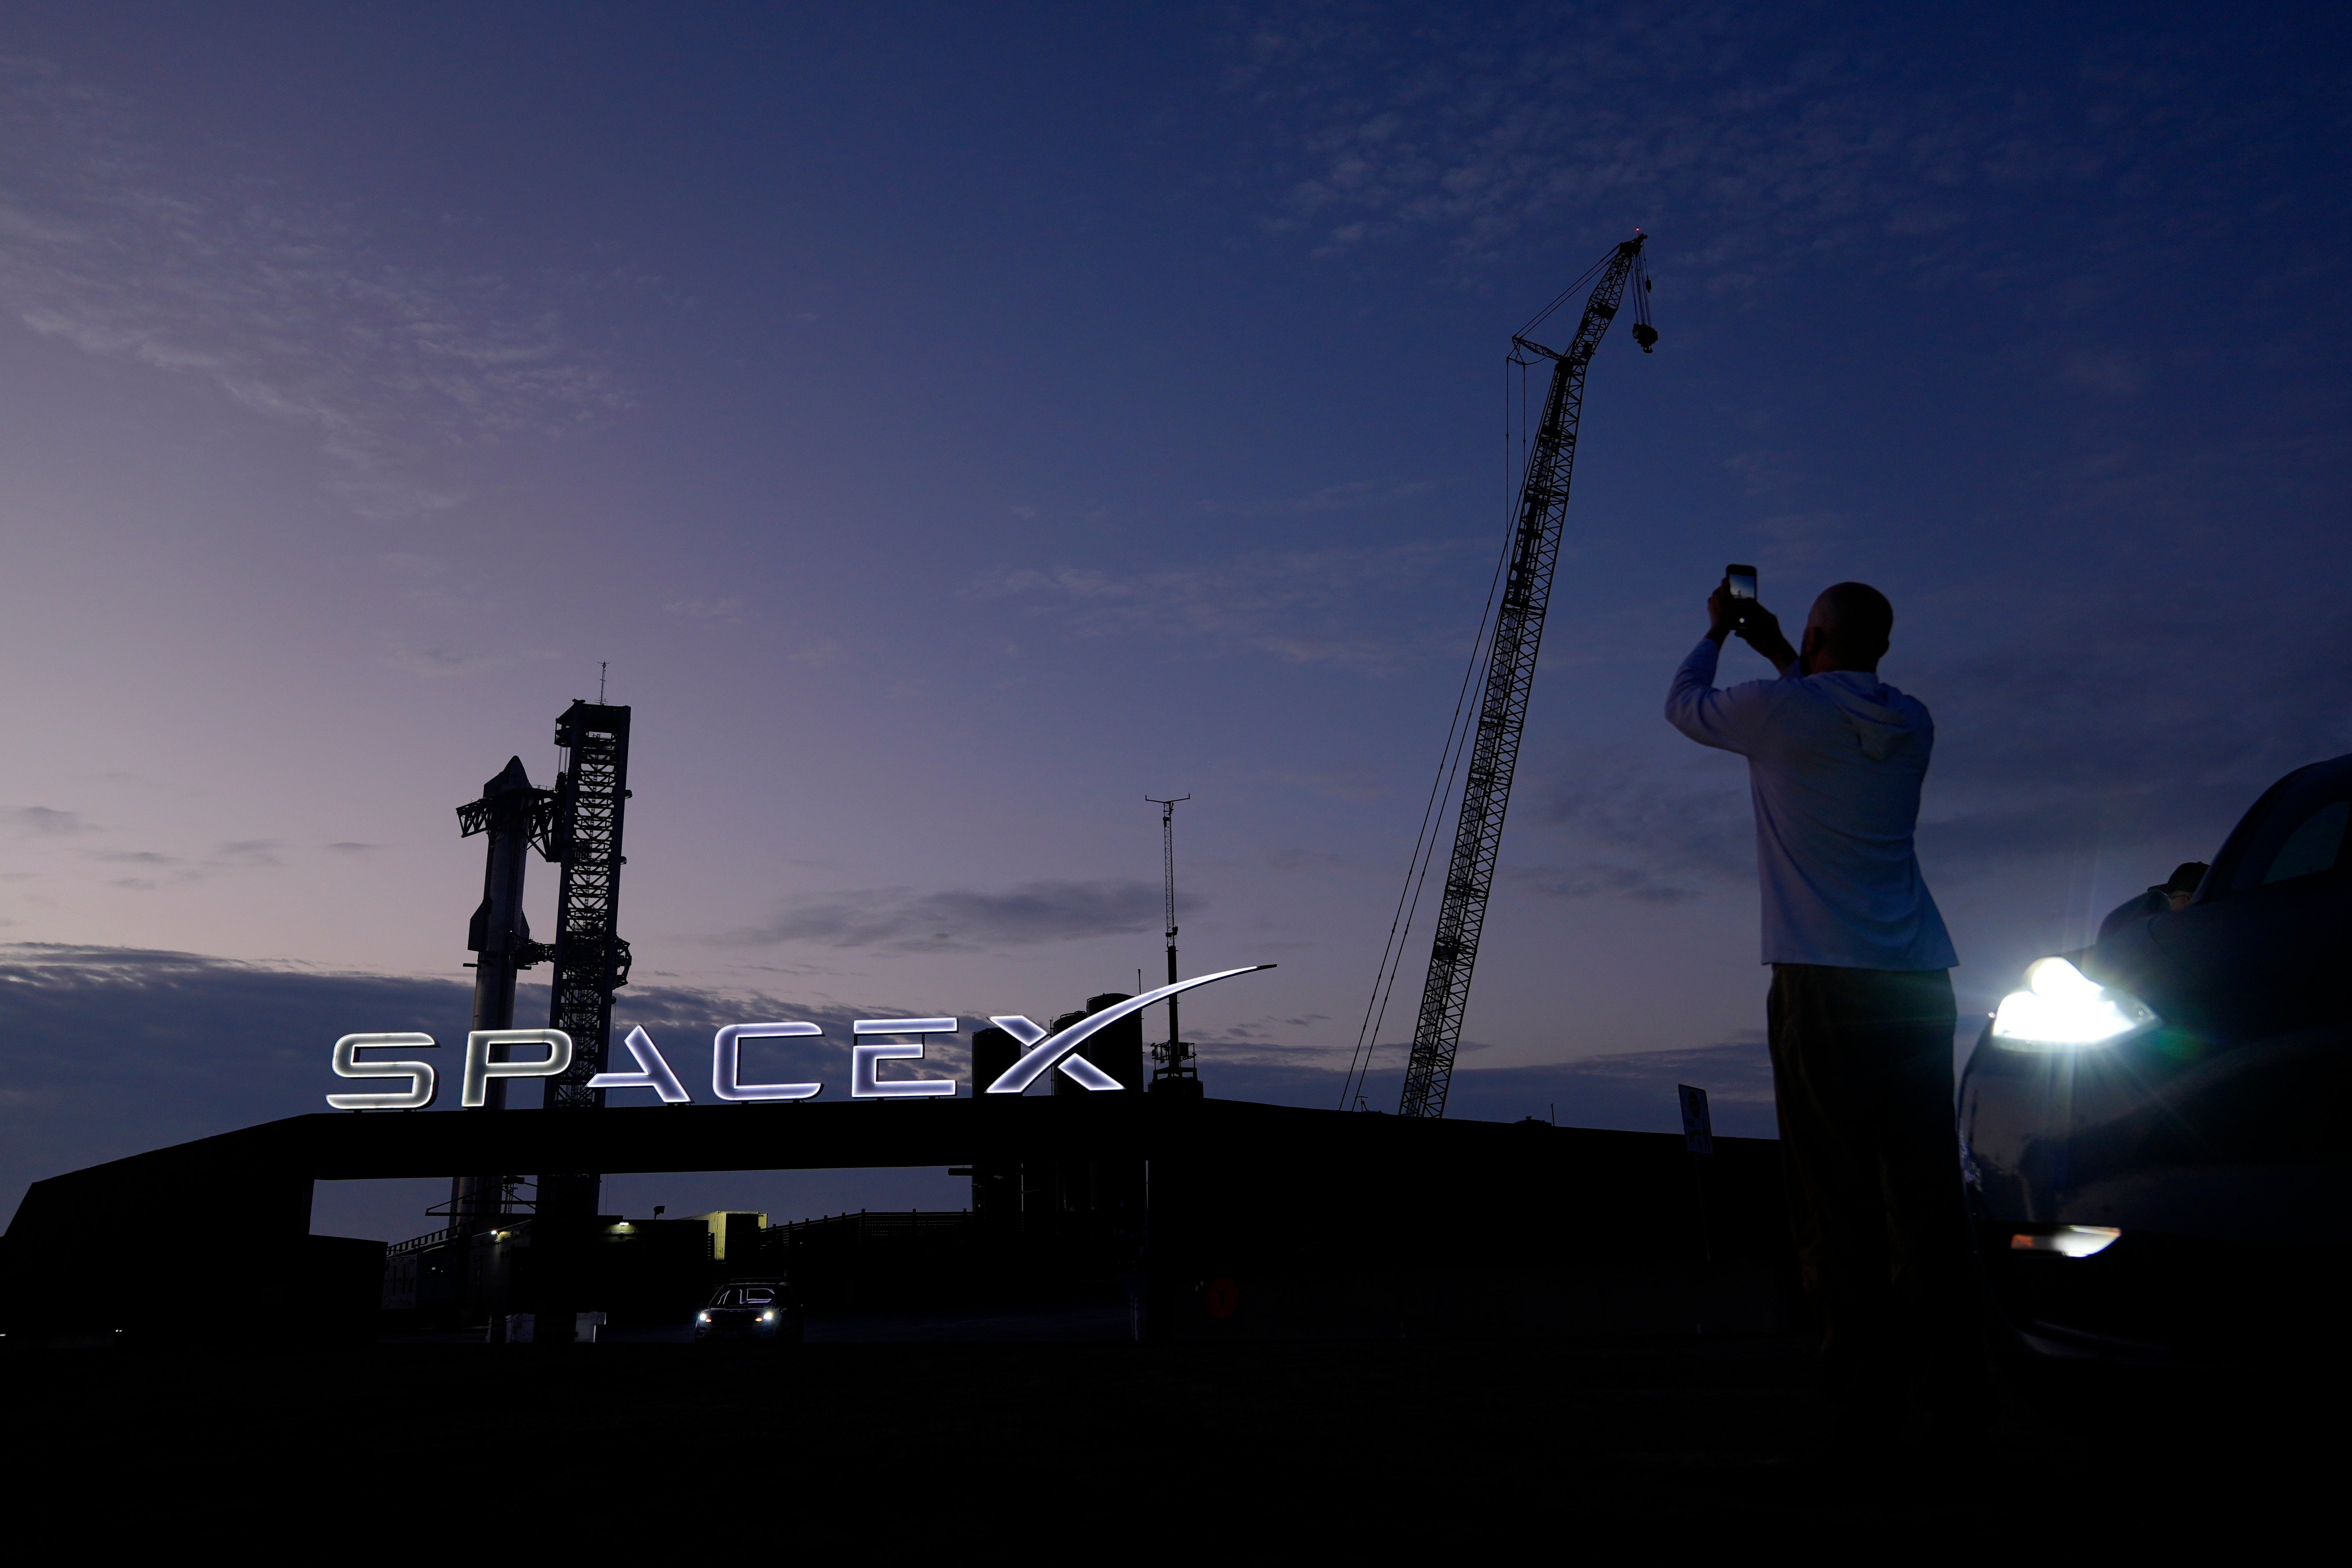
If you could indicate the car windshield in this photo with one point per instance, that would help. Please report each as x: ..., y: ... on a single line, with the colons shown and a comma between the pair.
x: 745, y: 1296
x: 2313, y: 846
x: 2302, y: 828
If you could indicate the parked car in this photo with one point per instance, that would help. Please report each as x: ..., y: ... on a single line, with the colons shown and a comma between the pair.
x: 2153, y: 1129
x: 752, y: 1311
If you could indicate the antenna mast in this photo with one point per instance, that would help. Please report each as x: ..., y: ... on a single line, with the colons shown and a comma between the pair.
x: 1174, y: 1054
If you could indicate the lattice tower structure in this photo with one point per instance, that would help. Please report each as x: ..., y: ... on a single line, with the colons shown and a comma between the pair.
x: 1503, y: 703
x: 591, y: 961
x: 1174, y: 1054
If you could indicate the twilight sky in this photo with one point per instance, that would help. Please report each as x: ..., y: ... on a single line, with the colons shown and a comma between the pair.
x: 955, y: 423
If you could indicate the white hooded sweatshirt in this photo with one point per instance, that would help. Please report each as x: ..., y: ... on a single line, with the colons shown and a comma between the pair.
x: 1834, y: 764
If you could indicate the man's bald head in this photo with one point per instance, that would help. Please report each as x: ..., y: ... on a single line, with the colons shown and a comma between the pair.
x: 1850, y: 627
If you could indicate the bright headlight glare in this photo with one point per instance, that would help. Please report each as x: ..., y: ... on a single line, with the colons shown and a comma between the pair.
x: 2060, y: 980
x: 2068, y: 1240
x: 2062, y: 1007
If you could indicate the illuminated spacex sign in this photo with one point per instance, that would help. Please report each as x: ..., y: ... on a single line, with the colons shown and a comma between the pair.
x: 1045, y: 1052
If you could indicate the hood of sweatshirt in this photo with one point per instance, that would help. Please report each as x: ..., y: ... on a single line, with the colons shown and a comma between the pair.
x: 1882, y: 719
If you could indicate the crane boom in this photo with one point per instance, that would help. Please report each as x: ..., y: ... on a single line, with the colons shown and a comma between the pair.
x: 1509, y: 680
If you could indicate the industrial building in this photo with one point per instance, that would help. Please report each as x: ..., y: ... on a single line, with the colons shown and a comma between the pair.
x: 1258, y: 1220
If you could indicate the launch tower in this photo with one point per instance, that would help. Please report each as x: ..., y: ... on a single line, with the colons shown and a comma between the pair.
x: 591, y: 961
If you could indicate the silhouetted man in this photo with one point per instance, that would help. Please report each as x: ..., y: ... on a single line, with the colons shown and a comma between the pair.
x: 1861, y: 1012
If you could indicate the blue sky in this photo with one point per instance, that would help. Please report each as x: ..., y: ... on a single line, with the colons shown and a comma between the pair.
x: 954, y: 424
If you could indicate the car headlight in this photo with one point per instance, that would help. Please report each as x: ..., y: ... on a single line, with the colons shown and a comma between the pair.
x: 2068, y: 1240
x: 768, y: 1315
x: 2062, y: 1008
x: 702, y: 1317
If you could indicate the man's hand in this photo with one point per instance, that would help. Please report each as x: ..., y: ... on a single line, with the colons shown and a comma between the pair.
x: 1761, y: 628
x: 1721, y: 610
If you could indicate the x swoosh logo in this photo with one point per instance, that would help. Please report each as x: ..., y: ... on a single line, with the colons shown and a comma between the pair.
x: 1045, y: 1052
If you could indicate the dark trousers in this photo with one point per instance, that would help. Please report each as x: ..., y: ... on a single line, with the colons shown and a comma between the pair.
x: 1862, y: 1074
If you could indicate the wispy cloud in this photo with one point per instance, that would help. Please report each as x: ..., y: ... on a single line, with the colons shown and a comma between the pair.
x: 155, y: 867
x: 728, y: 612
x: 435, y: 586
x: 818, y: 654
x: 1600, y: 879
x: 1763, y: 471
x: 897, y: 919
x: 1362, y: 607
x: 2102, y: 371
x: 1792, y: 539
x: 43, y: 822
x: 1762, y: 136
x: 1348, y: 495
x: 291, y: 310
x: 1656, y: 835
x: 440, y: 661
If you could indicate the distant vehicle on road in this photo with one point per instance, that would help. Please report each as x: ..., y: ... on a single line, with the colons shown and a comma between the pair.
x: 752, y: 1311
x: 2153, y: 1130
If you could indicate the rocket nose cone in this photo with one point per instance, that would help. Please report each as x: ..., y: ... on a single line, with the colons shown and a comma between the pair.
x: 513, y: 777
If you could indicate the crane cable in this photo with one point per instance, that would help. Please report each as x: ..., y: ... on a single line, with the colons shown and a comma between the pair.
x: 1425, y: 847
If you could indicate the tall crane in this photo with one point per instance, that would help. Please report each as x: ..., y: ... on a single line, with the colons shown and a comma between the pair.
x: 1509, y: 677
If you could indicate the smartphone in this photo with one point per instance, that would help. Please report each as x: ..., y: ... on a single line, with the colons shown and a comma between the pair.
x: 1741, y: 581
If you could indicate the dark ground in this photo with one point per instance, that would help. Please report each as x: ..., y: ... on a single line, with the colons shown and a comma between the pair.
x: 1698, y: 1447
